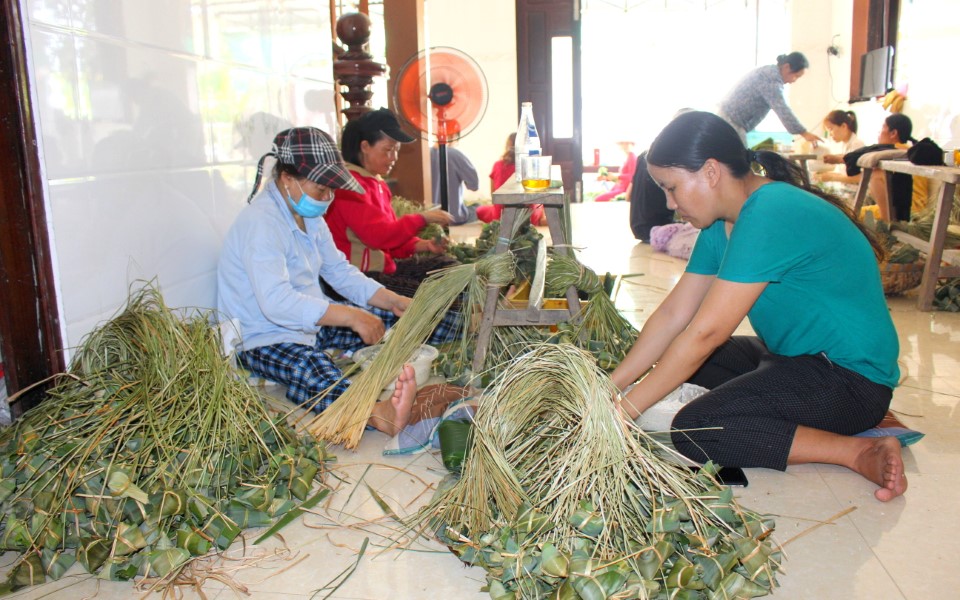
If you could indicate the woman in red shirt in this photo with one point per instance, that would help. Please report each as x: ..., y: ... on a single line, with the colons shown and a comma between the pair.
x: 501, y: 172
x: 365, y: 226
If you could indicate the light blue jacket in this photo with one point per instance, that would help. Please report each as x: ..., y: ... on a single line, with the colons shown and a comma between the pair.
x: 269, y: 270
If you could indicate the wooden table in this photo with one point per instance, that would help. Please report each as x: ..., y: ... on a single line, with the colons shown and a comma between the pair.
x: 513, y: 198
x: 801, y: 159
x: 933, y: 270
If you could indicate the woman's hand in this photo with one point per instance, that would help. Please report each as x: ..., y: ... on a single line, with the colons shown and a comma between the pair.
x: 434, y: 246
x: 388, y: 300
x: 833, y: 159
x: 825, y: 177
x: 367, y: 325
x: 437, y: 216
x: 812, y: 138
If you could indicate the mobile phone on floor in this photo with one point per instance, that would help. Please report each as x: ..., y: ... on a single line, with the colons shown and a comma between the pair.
x: 732, y: 476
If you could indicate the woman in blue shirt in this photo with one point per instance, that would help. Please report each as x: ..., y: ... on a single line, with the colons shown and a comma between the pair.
x: 794, y: 261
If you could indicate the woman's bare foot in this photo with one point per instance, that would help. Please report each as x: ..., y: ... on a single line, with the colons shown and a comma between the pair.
x: 876, y: 459
x: 881, y: 463
x: 391, y: 416
x: 432, y: 400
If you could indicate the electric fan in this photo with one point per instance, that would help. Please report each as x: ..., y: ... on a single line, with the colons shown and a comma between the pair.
x: 442, y: 93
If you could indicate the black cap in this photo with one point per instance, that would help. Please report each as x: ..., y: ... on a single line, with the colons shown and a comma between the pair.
x: 383, y: 120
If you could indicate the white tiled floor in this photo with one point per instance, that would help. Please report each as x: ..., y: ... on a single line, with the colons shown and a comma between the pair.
x: 900, y: 550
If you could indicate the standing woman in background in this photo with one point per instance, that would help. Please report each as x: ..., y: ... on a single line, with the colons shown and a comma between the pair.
x: 761, y: 91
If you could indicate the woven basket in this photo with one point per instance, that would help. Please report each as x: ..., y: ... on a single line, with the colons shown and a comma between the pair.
x: 900, y: 277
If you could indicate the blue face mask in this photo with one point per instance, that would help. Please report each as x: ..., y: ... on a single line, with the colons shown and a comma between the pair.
x: 307, y: 207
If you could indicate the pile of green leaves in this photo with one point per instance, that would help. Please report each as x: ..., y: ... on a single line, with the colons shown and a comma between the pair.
x: 599, y: 328
x: 561, y: 497
x: 897, y: 252
x: 149, y: 451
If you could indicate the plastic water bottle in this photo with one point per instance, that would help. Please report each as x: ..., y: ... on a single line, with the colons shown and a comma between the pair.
x: 528, y: 140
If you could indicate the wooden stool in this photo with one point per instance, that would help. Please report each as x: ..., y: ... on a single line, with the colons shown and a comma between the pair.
x: 513, y: 198
x: 933, y: 270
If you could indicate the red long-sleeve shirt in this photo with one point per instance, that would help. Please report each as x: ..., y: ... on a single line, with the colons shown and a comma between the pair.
x: 371, y: 218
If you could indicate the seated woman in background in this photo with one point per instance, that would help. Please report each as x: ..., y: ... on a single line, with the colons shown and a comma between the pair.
x: 501, y: 172
x: 648, y: 204
x: 365, y: 226
x: 623, y: 178
x: 842, y: 126
x: 823, y: 364
x: 907, y: 193
x: 460, y: 174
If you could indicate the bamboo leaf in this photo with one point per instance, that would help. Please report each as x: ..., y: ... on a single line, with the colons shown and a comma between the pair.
x: 382, y: 504
x: 192, y: 541
x: 344, y: 575
x: 56, y: 562
x: 293, y: 514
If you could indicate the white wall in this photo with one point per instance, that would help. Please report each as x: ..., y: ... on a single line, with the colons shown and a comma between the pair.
x: 928, y: 32
x: 927, y: 64
x: 152, y: 115
x: 814, y: 24
x: 486, y: 32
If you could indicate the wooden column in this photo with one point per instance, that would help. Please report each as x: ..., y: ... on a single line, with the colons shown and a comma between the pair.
x: 403, y: 22
x: 355, y: 68
x: 29, y: 321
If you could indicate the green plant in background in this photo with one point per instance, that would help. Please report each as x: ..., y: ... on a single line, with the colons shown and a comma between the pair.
x: 151, y: 450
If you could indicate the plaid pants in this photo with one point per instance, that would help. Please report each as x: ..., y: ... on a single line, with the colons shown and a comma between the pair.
x: 308, y: 370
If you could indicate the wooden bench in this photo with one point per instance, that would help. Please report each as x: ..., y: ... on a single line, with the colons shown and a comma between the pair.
x: 936, y: 255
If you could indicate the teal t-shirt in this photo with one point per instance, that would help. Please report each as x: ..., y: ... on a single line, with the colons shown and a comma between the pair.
x: 824, y: 293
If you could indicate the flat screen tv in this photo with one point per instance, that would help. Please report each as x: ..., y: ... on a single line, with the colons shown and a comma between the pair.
x: 876, y: 72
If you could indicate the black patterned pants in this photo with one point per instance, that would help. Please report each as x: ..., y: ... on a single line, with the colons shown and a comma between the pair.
x: 757, y: 399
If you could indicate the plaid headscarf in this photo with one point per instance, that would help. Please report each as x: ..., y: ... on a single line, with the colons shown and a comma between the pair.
x: 314, y: 155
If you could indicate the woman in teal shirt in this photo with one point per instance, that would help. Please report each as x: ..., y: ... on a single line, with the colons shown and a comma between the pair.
x: 795, y: 262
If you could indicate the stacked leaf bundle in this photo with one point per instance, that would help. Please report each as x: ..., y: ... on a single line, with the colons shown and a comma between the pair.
x: 607, y: 335
x: 599, y: 328
x: 561, y: 497
x: 947, y: 296
x: 523, y: 245
x: 150, y: 451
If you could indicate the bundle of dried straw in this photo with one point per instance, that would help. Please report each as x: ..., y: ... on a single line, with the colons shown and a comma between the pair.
x: 562, y: 497
x: 345, y: 420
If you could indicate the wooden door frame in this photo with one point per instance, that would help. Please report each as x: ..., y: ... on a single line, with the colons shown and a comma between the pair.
x: 538, y: 21
x: 29, y: 322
